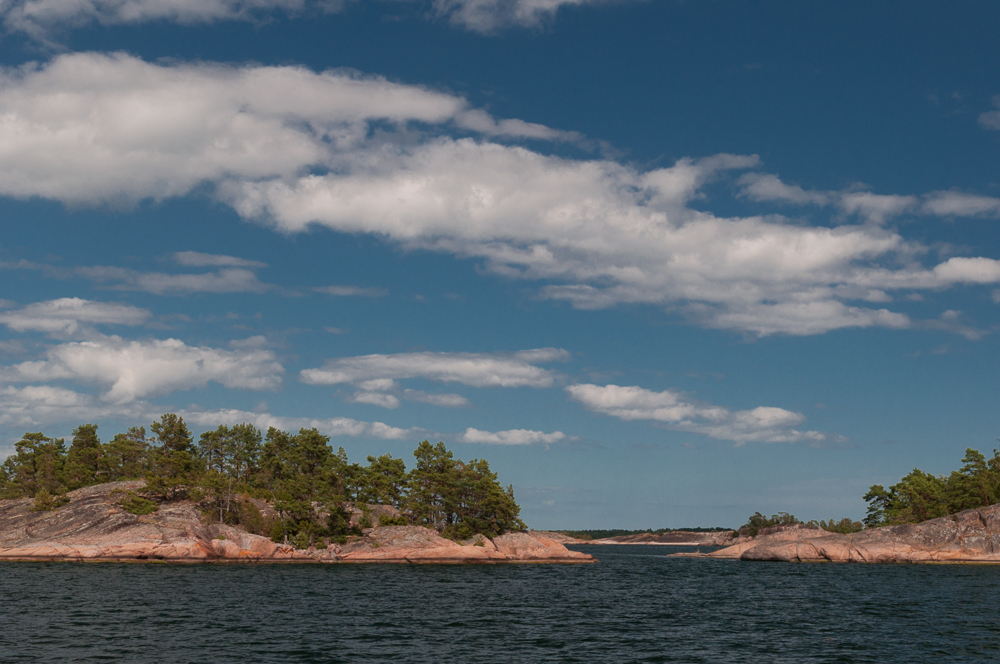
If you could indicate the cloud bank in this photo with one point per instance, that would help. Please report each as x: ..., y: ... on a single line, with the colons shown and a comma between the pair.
x: 71, y: 316
x: 876, y: 208
x: 131, y: 370
x: 489, y: 16
x: 378, y: 372
x: 678, y: 412
x: 41, y: 18
x: 293, y: 149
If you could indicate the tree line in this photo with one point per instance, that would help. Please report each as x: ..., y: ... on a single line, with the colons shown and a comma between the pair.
x: 758, y: 521
x: 920, y: 496
x: 229, y: 468
x: 594, y: 534
x: 917, y: 497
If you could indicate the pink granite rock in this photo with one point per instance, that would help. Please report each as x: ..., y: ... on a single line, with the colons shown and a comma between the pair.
x: 92, y: 526
x: 969, y: 536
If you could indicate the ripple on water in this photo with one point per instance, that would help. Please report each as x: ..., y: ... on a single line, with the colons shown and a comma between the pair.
x: 636, y: 605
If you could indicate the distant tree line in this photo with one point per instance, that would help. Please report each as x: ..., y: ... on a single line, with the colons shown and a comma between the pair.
x: 758, y: 522
x: 917, y: 497
x: 920, y: 496
x: 299, y: 474
x: 618, y: 532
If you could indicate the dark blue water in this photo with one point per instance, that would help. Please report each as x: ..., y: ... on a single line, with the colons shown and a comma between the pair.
x: 636, y: 605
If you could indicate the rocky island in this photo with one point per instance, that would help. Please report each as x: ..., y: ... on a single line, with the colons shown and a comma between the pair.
x: 93, y: 526
x: 970, y: 536
x: 240, y: 495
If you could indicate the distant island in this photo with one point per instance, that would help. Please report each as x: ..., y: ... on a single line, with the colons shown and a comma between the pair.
x: 921, y: 518
x: 239, y: 494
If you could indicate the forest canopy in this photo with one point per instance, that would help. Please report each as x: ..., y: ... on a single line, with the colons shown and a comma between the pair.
x: 228, y: 470
x: 920, y: 496
x: 917, y: 497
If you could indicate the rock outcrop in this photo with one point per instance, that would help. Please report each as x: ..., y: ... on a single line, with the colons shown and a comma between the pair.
x: 675, y: 538
x: 966, y: 537
x: 93, y: 526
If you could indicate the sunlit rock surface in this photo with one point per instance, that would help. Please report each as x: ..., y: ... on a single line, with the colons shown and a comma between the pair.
x: 92, y: 526
x: 972, y: 536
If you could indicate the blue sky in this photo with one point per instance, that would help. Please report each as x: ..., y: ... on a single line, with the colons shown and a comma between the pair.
x: 662, y: 263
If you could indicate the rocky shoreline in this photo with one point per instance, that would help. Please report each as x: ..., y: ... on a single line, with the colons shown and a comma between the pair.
x: 94, y: 527
x: 674, y: 538
x: 972, y: 536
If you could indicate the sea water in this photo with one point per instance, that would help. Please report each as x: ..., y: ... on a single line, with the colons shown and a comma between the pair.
x: 635, y: 605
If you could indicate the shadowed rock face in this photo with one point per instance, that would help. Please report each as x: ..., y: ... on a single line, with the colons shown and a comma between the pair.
x: 969, y: 536
x: 92, y: 526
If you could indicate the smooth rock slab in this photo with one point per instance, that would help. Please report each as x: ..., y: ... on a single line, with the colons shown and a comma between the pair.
x: 972, y: 536
x: 93, y: 527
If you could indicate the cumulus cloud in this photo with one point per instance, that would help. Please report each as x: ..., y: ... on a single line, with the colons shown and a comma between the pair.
x: 34, y: 406
x: 70, y: 316
x: 487, y: 16
x: 226, y: 280
x: 334, y: 426
x: 991, y: 119
x: 130, y: 370
x: 291, y: 148
x: 39, y: 17
x: 875, y: 208
x: 376, y: 399
x: 444, y: 400
x: 959, y: 204
x: 769, y: 187
x: 677, y: 411
x: 384, y: 399
x: 511, y: 437
x: 347, y: 291
x: 344, y: 426
x: 475, y: 369
x: 199, y: 259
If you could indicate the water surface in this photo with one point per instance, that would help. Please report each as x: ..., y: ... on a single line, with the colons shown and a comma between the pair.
x: 636, y: 605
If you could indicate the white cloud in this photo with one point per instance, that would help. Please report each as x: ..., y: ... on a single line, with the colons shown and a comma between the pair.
x: 677, y: 411
x: 110, y: 128
x: 876, y: 208
x: 70, y: 316
x: 199, y: 259
x: 474, y: 369
x: 226, y: 280
x: 991, y: 119
x: 377, y: 385
x: 130, y: 370
x: 487, y: 16
x: 376, y: 393
x: 334, y: 426
x: 39, y: 17
x: 380, y: 399
x: 343, y: 426
x: 798, y: 318
x: 347, y: 291
x: 293, y: 149
x: 959, y: 204
x: 969, y: 270
x: 444, y: 400
x: 769, y: 187
x: 35, y: 406
x: 511, y: 437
